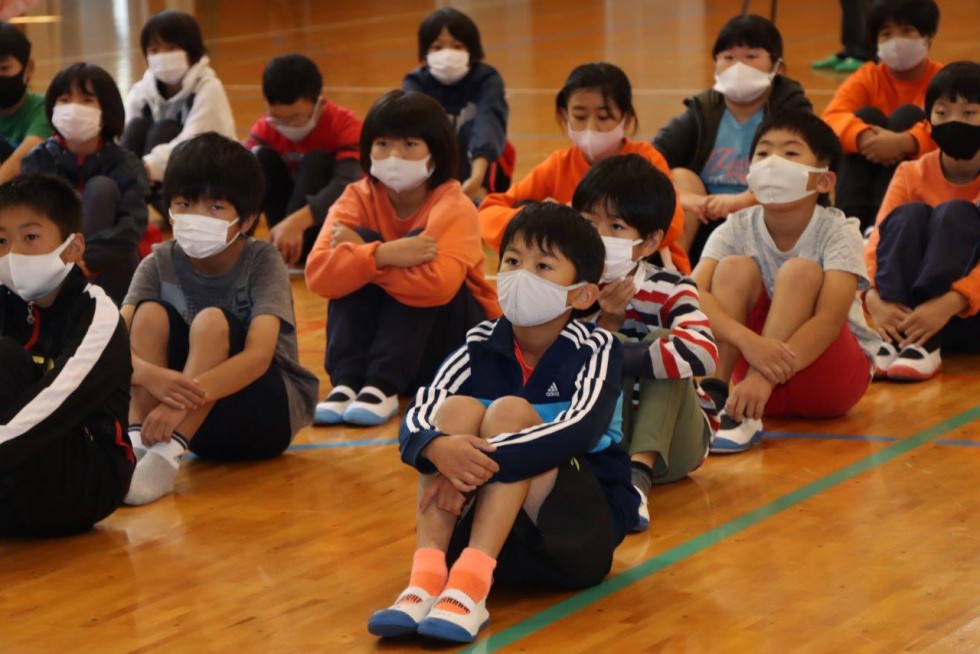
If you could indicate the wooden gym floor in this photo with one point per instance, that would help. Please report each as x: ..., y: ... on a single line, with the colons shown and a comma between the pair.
x: 848, y: 535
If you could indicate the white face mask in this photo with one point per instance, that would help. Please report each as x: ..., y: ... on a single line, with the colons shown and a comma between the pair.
x: 903, y: 54
x: 448, y: 65
x: 743, y: 83
x: 168, y: 67
x: 595, y: 144
x: 619, y: 257
x: 400, y: 174
x: 776, y: 180
x: 77, y: 122
x: 528, y: 300
x: 201, y: 237
x: 34, y: 275
x: 297, y: 133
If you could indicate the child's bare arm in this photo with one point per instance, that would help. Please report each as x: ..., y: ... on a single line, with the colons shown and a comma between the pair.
x: 815, y: 335
x: 242, y: 369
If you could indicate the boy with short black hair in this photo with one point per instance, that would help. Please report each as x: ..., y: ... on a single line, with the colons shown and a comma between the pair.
x: 308, y: 149
x: 668, y: 420
x: 215, y: 362
x: 922, y: 253
x: 524, y: 417
x: 65, y: 460
x: 778, y: 282
x: 878, y: 112
x: 23, y: 123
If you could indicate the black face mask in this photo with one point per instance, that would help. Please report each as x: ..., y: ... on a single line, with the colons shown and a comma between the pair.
x: 12, y: 89
x: 957, y: 139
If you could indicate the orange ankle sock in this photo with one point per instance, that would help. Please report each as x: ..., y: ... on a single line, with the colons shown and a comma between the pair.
x: 428, y: 571
x: 472, y: 574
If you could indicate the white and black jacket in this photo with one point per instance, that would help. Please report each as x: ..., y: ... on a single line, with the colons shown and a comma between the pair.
x: 200, y: 106
x: 82, y: 345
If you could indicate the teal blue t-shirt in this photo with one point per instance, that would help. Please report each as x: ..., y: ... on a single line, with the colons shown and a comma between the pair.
x: 726, y: 169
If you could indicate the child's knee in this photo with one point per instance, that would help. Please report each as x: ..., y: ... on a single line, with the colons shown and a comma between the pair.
x: 739, y: 269
x: 149, y: 316
x: 101, y: 189
x: 799, y: 274
x: 459, y: 409
x: 872, y: 116
x: 210, y: 325
x: 956, y: 216
x: 508, y: 414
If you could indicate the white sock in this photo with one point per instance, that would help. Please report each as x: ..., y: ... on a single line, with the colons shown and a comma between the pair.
x: 136, y: 438
x: 155, y: 473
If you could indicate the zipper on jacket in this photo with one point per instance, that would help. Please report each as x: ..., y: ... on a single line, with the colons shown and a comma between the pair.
x: 31, y: 313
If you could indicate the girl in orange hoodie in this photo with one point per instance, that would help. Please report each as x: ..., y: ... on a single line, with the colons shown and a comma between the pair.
x: 595, y: 108
x: 400, y: 261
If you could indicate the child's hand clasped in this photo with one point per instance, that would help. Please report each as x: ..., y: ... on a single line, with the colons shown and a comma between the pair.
x: 445, y: 495
x: 173, y: 388
x: 772, y: 358
x: 462, y: 460
x: 343, y: 234
x: 614, y: 297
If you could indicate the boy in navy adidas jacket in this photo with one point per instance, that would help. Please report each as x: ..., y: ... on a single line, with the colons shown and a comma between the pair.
x: 524, y: 420
x: 65, y: 459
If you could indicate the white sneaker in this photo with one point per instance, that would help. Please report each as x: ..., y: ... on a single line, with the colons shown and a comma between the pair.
x: 734, y: 436
x: 884, y: 359
x: 914, y: 363
x: 403, y: 617
x: 456, y: 627
x: 642, y: 513
x: 371, y: 407
x: 331, y: 410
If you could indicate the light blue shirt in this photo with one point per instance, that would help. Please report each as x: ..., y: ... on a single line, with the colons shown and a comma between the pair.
x: 727, y: 167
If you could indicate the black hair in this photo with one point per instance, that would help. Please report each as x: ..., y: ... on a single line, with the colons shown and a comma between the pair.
x: 608, y: 79
x: 750, y: 31
x: 404, y: 114
x: 13, y: 43
x: 47, y: 195
x: 555, y: 227
x: 290, y: 78
x: 923, y: 15
x: 91, y: 80
x: 630, y: 187
x: 215, y: 167
x: 960, y: 79
x: 817, y: 134
x: 177, y: 28
x: 460, y: 26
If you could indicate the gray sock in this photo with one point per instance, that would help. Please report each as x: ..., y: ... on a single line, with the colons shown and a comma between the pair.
x: 642, y: 477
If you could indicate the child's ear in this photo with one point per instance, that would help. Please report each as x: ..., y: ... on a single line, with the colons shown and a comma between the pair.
x: 28, y: 71
x: 651, y: 243
x: 248, y: 225
x: 825, y: 182
x: 75, y: 250
x: 630, y: 126
x: 583, y: 297
x: 780, y: 67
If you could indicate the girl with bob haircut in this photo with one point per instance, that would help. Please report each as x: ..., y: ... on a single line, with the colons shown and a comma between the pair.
x: 85, y: 108
x: 595, y: 109
x: 472, y: 93
x: 178, y: 98
x: 400, y: 260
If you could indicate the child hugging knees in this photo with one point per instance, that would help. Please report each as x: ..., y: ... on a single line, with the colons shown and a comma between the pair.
x: 522, y: 479
x: 778, y: 282
x: 215, y: 361
x: 84, y: 105
x: 922, y: 254
x: 667, y: 419
x: 400, y: 260
x: 65, y: 460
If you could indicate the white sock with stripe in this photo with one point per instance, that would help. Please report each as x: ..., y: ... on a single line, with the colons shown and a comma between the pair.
x: 155, y: 473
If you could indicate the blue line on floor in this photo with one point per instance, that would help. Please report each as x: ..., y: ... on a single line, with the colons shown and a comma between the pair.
x: 326, y: 446
x: 960, y: 443
x: 719, y: 534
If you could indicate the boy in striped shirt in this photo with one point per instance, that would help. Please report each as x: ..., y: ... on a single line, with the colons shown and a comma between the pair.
x: 668, y: 419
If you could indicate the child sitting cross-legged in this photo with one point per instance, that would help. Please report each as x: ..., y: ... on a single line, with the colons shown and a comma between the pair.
x: 523, y: 419
x: 778, y: 282
x: 668, y: 420
x: 215, y: 361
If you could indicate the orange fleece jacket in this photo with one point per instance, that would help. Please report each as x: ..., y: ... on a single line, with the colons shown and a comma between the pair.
x: 922, y: 180
x: 447, y: 216
x: 873, y: 85
x: 557, y: 177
